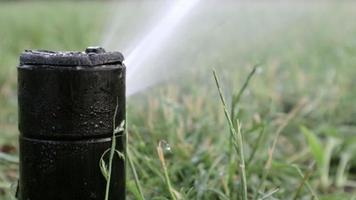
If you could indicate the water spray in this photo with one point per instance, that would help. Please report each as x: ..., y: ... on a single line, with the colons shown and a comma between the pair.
x: 140, y: 74
x: 67, y: 102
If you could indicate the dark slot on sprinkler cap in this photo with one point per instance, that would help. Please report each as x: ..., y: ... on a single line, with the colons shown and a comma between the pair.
x: 70, y: 95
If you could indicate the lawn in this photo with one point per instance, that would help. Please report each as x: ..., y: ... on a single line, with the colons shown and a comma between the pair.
x: 297, y: 113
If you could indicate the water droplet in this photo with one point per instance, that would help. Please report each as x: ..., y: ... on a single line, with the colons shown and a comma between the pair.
x: 166, y: 147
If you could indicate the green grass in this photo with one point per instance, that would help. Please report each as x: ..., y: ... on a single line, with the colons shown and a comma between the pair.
x: 297, y: 113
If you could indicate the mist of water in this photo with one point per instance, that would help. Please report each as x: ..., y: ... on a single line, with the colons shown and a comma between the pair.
x: 153, y: 41
x: 165, y: 40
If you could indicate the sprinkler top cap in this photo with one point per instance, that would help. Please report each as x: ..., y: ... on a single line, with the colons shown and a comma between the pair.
x: 93, y: 56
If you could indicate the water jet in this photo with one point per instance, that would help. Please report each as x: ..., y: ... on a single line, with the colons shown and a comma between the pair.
x: 142, y: 55
x: 67, y: 102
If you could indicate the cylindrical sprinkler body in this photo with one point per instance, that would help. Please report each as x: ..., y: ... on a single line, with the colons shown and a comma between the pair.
x: 67, y: 103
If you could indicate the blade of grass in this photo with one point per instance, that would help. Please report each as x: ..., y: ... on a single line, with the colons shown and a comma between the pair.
x: 165, y: 171
x: 237, y: 139
x: 133, y: 169
x: 113, y: 150
x: 256, y: 145
x: 234, y: 102
x: 9, y: 158
x: 305, y: 180
x: 289, y: 117
x: 269, y: 194
x: 330, y: 146
x: 341, y: 173
x: 236, y: 98
x: 314, y: 144
x: 281, y: 127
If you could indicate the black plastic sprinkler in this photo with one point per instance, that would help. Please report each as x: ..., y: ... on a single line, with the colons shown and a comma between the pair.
x: 67, y: 103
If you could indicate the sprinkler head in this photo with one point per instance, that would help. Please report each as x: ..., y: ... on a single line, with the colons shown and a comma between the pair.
x: 67, y: 103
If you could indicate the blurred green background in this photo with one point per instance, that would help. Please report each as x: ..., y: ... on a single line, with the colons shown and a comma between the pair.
x: 303, y: 92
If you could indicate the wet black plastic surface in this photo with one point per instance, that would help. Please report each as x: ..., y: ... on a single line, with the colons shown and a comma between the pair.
x: 68, y: 170
x: 66, y: 124
x: 57, y: 102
